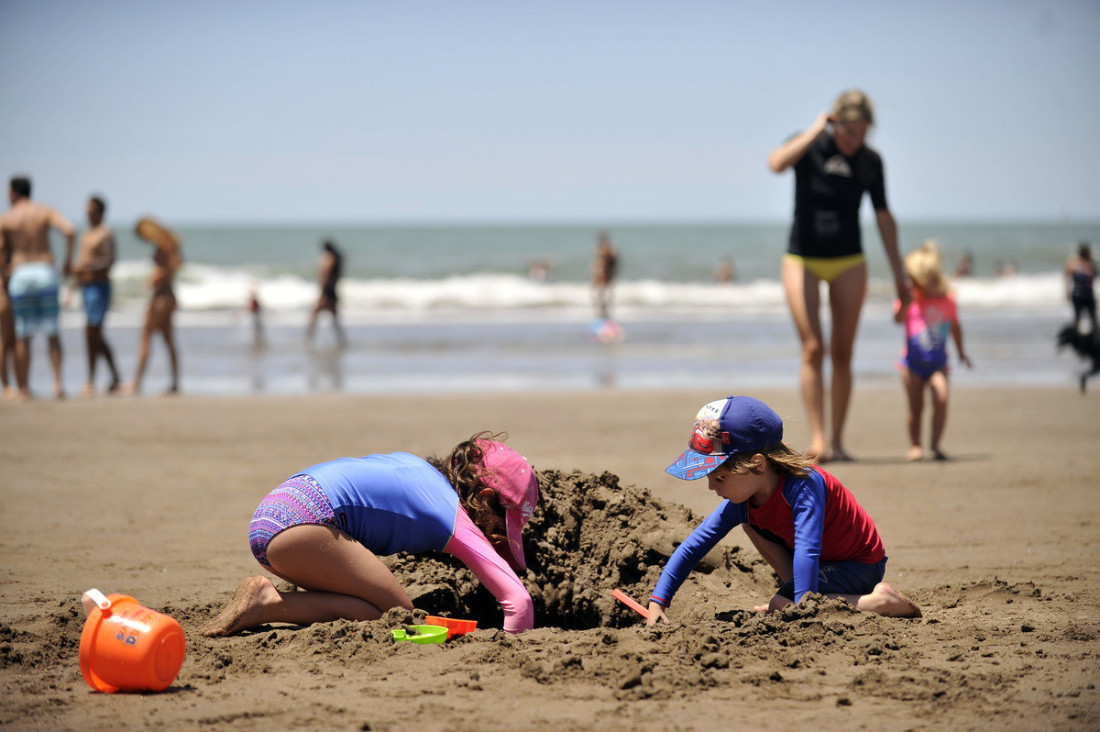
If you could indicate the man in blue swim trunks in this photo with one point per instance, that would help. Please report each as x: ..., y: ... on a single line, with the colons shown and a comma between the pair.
x: 94, y: 260
x: 34, y: 283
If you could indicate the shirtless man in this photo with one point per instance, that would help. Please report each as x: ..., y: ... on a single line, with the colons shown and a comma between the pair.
x: 33, y: 284
x: 93, y: 273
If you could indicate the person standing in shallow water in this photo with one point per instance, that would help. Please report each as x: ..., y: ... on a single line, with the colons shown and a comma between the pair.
x: 32, y: 281
x: 833, y: 169
x: 1080, y: 275
x: 95, y: 258
x: 604, y: 267
x: 328, y: 274
x: 162, y: 301
x: 325, y: 528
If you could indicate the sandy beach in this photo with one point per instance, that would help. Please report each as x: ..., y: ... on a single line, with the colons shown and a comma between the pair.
x: 152, y: 497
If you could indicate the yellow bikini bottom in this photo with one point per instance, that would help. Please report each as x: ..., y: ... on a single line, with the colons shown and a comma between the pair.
x: 828, y: 269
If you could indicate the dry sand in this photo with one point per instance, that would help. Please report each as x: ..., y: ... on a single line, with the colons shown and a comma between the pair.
x: 152, y: 497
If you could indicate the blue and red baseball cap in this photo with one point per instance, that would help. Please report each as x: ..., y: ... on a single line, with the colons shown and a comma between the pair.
x: 725, y: 427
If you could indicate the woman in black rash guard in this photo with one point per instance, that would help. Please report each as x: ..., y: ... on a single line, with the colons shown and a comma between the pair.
x: 833, y: 169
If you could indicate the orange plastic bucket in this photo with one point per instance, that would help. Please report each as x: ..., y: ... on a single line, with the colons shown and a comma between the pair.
x: 127, y: 647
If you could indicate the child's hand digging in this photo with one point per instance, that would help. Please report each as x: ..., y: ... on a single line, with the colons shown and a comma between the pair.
x: 656, y: 612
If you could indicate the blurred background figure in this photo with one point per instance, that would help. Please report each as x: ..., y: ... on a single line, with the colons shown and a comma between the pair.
x: 167, y: 259
x: 603, y: 274
x: 1080, y: 275
x: 255, y: 312
x: 328, y: 274
x: 32, y: 281
x: 725, y: 272
x: 965, y: 267
x: 7, y: 335
x: 95, y: 257
x: 539, y: 270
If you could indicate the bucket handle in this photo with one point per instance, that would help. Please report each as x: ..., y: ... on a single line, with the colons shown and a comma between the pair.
x: 97, y: 598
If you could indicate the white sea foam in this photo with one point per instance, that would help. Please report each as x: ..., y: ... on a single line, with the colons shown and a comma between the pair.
x: 207, y: 288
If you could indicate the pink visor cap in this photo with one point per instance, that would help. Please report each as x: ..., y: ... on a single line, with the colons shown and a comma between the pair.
x: 512, y: 477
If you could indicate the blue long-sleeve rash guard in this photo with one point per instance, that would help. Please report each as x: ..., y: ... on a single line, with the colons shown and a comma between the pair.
x: 806, y: 512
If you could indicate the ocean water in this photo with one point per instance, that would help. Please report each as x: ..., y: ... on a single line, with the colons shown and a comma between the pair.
x: 454, y: 308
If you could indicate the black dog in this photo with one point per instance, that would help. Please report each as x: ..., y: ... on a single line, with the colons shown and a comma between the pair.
x: 1086, y: 345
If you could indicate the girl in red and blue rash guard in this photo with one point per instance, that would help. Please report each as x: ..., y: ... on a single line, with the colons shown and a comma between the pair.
x: 325, y: 528
x: 806, y: 524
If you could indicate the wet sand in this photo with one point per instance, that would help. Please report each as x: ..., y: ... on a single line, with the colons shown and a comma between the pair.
x: 152, y: 497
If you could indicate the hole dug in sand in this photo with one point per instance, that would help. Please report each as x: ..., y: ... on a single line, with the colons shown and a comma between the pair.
x: 588, y: 536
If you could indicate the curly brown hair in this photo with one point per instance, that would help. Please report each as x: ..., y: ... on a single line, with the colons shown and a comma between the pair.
x: 465, y: 471
x: 781, y: 458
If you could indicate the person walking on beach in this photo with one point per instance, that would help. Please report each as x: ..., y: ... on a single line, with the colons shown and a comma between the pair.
x: 928, y: 318
x: 94, y: 260
x: 801, y: 519
x: 33, y: 282
x: 162, y: 300
x: 833, y: 168
x: 328, y: 274
x: 325, y: 528
x: 604, y: 268
x: 1080, y: 276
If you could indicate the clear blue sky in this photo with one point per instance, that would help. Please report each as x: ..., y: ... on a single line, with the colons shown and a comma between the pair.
x: 561, y: 111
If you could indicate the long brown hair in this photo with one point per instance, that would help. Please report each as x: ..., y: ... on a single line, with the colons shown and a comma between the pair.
x: 465, y: 471
x: 781, y: 459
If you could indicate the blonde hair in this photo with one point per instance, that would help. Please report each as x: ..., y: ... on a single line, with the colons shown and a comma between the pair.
x: 853, y: 106
x: 781, y: 458
x: 924, y: 265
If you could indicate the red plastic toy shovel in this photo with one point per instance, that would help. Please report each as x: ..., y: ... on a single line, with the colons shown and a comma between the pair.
x: 629, y: 602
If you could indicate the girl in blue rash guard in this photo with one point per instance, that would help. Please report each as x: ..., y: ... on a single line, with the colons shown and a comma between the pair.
x: 325, y: 528
x: 807, y: 525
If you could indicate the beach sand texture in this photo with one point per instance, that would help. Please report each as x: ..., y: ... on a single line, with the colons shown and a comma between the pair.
x: 152, y: 497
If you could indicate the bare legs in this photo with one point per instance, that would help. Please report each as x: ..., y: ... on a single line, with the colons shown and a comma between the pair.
x: 22, y: 363
x: 342, y: 579
x: 325, y: 305
x: 158, y: 320
x: 845, y: 301
x: 883, y: 599
x: 97, y: 346
x: 7, y: 346
x: 914, y: 391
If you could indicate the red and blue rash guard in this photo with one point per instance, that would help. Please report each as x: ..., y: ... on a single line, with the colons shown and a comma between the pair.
x: 815, y: 516
x: 399, y: 503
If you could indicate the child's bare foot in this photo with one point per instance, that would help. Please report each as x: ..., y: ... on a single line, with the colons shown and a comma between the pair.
x: 131, y: 388
x: 915, y: 454
x: 115, y: 387
x: 885, y: 600
x: 938, y: 454
x: 243, y: 611
x: 87, y: 391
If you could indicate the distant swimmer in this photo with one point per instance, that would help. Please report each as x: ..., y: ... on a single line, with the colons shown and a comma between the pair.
x: 328, y: 274
x: 32, y: 280
x: 94, y: 260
